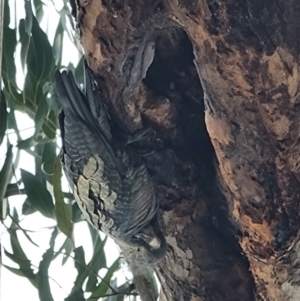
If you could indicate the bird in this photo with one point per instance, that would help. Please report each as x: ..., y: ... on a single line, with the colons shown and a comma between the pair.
x: 109, y: 180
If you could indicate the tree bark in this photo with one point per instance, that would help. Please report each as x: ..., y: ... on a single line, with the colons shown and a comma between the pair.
x: 218, y: 81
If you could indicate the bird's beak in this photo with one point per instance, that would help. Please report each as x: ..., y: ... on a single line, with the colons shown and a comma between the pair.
x: 149, y: 236
x: 154, y: 242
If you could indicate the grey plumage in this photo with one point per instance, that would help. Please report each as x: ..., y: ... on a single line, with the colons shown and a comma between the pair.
x: 110, y: 184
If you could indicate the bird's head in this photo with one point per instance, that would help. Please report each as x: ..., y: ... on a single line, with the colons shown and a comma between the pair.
x: 148, y: 246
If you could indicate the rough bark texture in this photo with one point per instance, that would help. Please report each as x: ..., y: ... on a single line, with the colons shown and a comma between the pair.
x: 218, y: 81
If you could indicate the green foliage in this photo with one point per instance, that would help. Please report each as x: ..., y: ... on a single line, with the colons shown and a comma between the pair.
x: 42, y: 275
x: 5, y: 177
x: 3, y: 116
x: 37, y: 194
x: 63, y: 211
x: 27, y: 43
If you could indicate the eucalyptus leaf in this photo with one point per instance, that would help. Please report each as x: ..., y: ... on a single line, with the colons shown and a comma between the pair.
x: 40, y: 115
x: 49, y: 126
x: 49, y: 152
x: 18, y: 272
x: 63, y: 211
x: 3, y: 116
x: 41, y: 57
x: 76, y: 296
x: 20, y: 258
x: 8, y: 61
x: 79, y: 70
x: 48, y: 158
x: 81, y: 268
x: 98, y: 261
x: 25, y: 41
x: 5, y: 178
x: 39, y: 11
x: 58, y: 43
x: 24, y: 269
x: 47, y: 168
x: 16, y: 247
x: 103, y: 287
x: 27, y: 143
x: 12, y: 123
x: 37, y: 193
x: 29, y: 17
x: 27, y: 208
x: 15, y: 219
x: 77, y: 214
x: 43, y: 278
x: 6, y: 20
x: 54, y: 102
x: 38, y: 161
x: 29, y: 95
x: 68, y: 247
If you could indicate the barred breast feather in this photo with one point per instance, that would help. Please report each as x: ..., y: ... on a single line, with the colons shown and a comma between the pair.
x: 110, y: 184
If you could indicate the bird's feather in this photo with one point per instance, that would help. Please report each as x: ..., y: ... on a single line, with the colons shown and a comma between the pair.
x: 112, y: 187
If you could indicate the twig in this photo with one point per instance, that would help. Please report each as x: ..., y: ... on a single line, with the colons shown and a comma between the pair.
x: 52, y: 280
x: 13, y: 192
x: 114, y: 294
x: 89, y: 268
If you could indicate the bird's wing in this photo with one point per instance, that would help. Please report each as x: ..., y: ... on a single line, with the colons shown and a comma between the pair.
x: 138, y: 200
x: 78, y: 107
x: 94, y: 180
x: 115, y: 193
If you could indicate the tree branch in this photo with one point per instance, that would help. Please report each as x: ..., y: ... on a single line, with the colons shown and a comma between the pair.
x: 13, y: 191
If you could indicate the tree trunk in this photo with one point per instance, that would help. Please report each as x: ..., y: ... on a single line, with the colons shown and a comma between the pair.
x: 218, y: 81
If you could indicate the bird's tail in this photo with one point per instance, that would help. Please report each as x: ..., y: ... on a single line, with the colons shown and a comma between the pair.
x: 88, y: 108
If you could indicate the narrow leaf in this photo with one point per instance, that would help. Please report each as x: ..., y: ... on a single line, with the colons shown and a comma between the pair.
x: 76, y: 296
x: 6, y: 14
x: 37, y: 193
x: 47, y: 168
x: 3, y: 116
x: 77, y: 214
x: 80, y: 266
x: 41, y: 113
x: 5, y: 177
x: 20, y: 258
x: 41, y: 62
x: 79, y: 71
x: 98, y: 261
x: 49, y: 126
x: 25, y: 272
x: 12, y: 123
x: 18, y: 272
x: 15, y: 219
x: 43, y: 278
x: 63, y: 211
x: 25, y: 41
x: 38, y: 4
x: 49, y: 152
x: 8, y: 60
x: 58, y: 43
x: 29, y: 17
x: 16, y: 247
x: 27, y: 208
x: 102, y: 287
x: 27, y: 143
x: 68, y: 247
